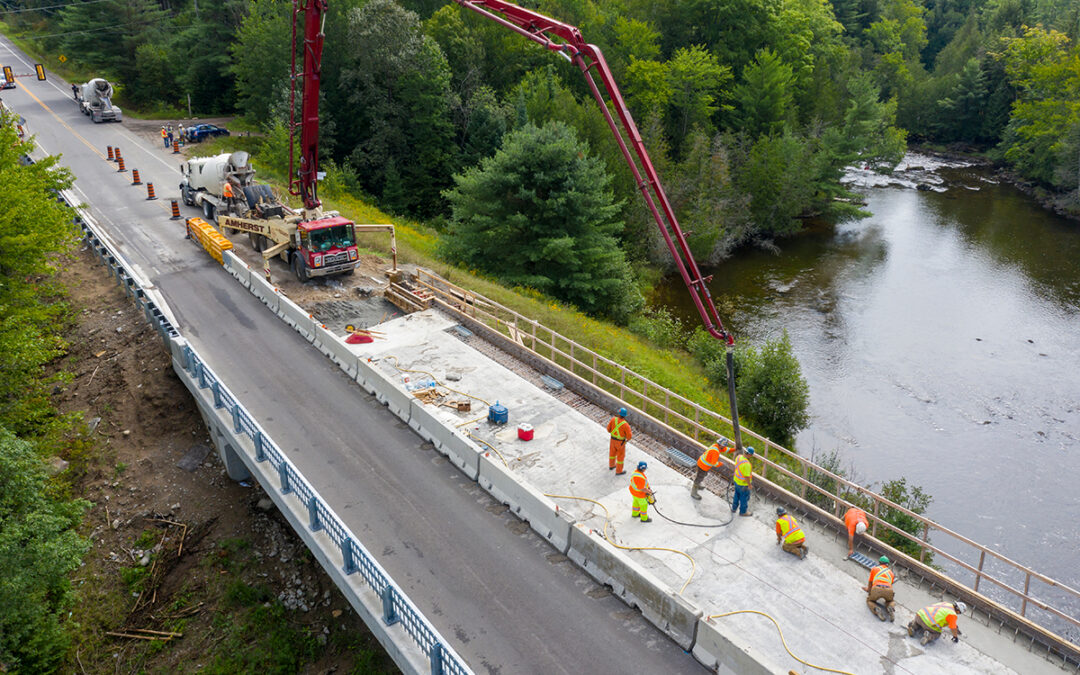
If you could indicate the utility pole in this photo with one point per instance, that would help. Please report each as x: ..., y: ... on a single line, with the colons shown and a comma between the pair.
x: 189, y: 106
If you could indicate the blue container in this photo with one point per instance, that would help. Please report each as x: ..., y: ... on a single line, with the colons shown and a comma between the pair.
x: 498, y: 414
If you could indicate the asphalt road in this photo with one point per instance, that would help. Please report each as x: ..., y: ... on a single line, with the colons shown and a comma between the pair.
x: 502, y: 597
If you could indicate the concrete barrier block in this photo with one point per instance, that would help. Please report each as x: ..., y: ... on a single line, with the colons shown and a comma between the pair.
x: 391, y: 394
x: 366, y: 375
x: 322, y: 339
x: 295, y: 316
x: 340, y: 354
x: 525, y: 501
x: 637, y: 587
x: 238, y: 268
x: 264, y: 291
x: 724, y: 651
x: 423, y: 422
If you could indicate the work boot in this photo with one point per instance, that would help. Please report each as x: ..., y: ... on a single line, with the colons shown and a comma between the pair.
x: 619, y: 473
x: 892, y: 614
x: 911, y: 629
x: 646, y: 520
x: 925, y: 639
x: 748, y: 513
x: 802, y: 552
x: 880, y: 611
x: 693, y: 492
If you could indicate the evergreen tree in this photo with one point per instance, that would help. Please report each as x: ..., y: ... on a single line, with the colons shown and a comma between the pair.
x: 765, y: 95
x: 539, y: 214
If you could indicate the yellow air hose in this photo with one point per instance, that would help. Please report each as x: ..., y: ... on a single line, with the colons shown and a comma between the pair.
x: 607, y: 521
x: 782, y: 640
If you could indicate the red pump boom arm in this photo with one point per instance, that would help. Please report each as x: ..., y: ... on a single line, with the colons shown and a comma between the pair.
x: 567, y: 41
x: 303, y: 180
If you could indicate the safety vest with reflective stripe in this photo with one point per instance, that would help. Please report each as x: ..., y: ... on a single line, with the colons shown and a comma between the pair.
x: 639, y: 485
x: 710, y: 459
x: 790, y: 530
x: 744, y: 471
x: 936, y: 617
x: 615, y: 426
x: 882, y: 576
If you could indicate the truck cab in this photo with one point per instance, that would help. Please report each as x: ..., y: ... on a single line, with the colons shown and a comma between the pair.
x: 325, y: 246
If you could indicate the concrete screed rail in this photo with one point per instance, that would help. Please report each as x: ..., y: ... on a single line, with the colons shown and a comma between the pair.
x: 715, y: 646
x: 247, y: 451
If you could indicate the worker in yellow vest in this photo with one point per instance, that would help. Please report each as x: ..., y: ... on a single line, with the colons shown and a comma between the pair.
x: 639, y: 488
x: 710, y: 459
x: 790, y: 534
x: 744, y: 476
x: 620, y: 432
x: 880, y: 587
x: 931, y: 620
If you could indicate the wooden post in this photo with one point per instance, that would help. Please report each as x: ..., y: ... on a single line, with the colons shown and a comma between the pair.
x: 922, y: 549
x: 1027, y: 585
x: 978, y: 575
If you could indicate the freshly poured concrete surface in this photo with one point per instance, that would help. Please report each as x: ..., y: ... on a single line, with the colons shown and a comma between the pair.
x: 818, y: 602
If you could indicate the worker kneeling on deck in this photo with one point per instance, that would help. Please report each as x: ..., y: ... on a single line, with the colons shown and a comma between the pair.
x: 789, y: 534
x: 639, y: 488
x: 855, y: 520
x: 930, y: 621
x: 709, y: 460
x: 880, y: 587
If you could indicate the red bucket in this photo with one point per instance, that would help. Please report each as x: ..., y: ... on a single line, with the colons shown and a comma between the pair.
x: 525, y: 432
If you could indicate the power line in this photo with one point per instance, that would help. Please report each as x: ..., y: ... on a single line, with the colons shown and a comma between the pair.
x: 41, y: 9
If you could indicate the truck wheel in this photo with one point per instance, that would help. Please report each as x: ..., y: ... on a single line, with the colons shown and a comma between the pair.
x: 300, y: 268
x: 185, y: 192
x: 208, y: 212
x: 258, y: 242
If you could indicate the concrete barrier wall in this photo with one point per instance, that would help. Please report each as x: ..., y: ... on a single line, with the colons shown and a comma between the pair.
x: 726, y: 652
x: 526, y: 502
x: 392, y: 395
x: 637, y: 587
x: 237, y: 267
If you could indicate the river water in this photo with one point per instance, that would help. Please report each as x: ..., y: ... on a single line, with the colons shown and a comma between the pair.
x: 941, y: 341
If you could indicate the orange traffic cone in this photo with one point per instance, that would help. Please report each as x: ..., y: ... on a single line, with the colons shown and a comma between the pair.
x: 175, y: 210
x: 135, y: 177
x: 150, y: 191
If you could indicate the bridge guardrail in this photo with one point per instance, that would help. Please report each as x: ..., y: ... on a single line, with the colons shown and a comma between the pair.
x: 397, y: 607
x: 688, y: 422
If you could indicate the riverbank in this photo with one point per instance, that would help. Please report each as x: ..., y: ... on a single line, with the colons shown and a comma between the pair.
x: 1058, y: 203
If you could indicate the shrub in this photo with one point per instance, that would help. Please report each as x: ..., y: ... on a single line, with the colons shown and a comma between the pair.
x: 771, y: 389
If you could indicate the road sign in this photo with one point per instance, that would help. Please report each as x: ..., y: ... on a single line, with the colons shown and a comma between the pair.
x: 62, y: 58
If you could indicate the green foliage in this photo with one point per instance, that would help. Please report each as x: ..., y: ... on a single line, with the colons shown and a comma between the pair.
x: 539, y: 215
x: 399, y: 84
x: 260, y: 639
x: 765, y: 95
x: 697, y: 80
x: 260, y: 58
x: 772, y: 391
x: 913, y: 499
x: 38, y: 549
x: 658, y: 326
x: 1044, y: 67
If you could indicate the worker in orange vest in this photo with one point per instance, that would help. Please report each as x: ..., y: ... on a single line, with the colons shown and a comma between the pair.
x: 639, y: 488
x: 743, y: 477
x: 620, y: 432
x: 790, y: 534
x: 229, y: 195
x: 931, y: 620
x: 710, y: 459
x: 855, y: 520
x: 880, y: 587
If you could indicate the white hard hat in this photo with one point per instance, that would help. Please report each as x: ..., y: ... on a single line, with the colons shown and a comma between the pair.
x: 960, y: 607
x: 860, y: 527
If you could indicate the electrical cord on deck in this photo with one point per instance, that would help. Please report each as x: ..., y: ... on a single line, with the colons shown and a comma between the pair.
x: 434, y: 379
x: 610, y: 540
x: 782, y: 640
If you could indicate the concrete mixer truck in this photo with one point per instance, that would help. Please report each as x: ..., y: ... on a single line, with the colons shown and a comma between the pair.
x: 224, y: 187
x: 95, y: 99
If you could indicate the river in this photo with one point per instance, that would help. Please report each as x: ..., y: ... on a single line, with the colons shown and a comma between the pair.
x: 940, y: 338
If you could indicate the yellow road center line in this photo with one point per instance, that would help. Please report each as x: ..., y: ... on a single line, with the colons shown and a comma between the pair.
x: 61, y: 121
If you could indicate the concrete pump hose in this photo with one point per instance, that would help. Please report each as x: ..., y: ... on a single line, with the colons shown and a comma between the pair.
x: 782, y: 640
x: 607, y: 521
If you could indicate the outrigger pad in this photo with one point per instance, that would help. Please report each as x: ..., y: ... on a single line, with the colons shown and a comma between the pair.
x: 863, y: 560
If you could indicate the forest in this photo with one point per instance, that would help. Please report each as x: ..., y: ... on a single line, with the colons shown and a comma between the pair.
x: 750, y: 109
